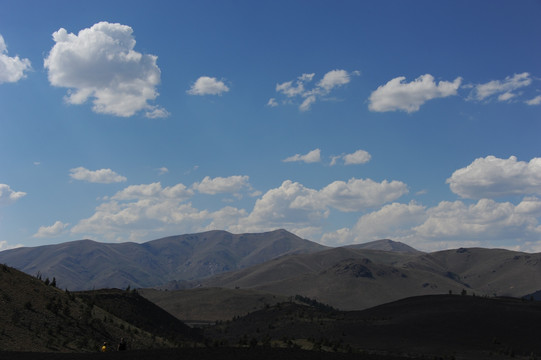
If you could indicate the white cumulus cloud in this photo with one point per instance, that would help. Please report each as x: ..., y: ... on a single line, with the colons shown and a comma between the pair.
x: 100, y: 63
x: 334, y: 78
x: 275, y: 210
x: 353, y: 195
x: 486, y: 220
x: 104, y: 176
x: 231, y: 184
x: 358, y: 157
x: 51, y: 231
x: 502, y: 88
x: 208, y: 86
x: 154, y: 191
x: 9, y: 196
x: 312, y: 157
x: 491, y: 177
x: 12, y: 69
x: 399, y: 95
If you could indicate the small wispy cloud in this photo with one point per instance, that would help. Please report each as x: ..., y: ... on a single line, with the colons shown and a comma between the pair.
x: 355, y: 158
x: 299, y: 88
x: 311, y: 157
x: 104, y: 176
x: 163, y: 170
x: 9, y: 196
x: 51, y: 231
x: 535, y: 101
x: 503, y: 88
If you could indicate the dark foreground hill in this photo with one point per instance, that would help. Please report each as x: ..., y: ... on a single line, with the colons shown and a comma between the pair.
x: 138, y: 311
x: 86, y: 264
x: 444, y: 326
x: 36, y: 316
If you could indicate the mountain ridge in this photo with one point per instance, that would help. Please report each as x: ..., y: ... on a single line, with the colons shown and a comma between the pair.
x: 87, y: 264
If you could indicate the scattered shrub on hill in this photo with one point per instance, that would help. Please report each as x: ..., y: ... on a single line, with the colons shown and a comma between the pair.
x: 314, y: 303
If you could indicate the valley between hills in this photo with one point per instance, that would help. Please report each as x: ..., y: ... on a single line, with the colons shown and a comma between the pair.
x: 197, y: 293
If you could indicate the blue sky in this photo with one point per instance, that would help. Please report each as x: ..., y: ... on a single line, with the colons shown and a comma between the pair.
x: 343, y: 122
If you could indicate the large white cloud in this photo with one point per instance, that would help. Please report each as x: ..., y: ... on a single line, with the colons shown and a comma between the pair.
x: 208, y: 86
x: 354, y: 195
x: 311, y: 157
x: 399, y: 95
x: 104, y: 176
x: 449, y: 225
x: 486, y: 220
x: 491, y: 177
x: 503, y: 88
x: 9, y: 196
x: 231, y: 184
x: 299, y: 88
x: 294, y: 206
x: 391, y: 221
x: 51, y: 231
x: 275, y: 209
x: 12, y: 69
x: 100, y: 63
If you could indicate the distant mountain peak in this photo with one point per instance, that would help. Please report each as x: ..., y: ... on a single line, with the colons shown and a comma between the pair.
x: 384, y: 245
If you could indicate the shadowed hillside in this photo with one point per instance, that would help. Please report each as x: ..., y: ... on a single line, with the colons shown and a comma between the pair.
x: 86, y: 264
x: 36, y: 316
x: 138, y: 311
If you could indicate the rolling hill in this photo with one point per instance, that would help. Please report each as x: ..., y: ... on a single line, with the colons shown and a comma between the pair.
x: 86, y: 264
x: 353, y: 279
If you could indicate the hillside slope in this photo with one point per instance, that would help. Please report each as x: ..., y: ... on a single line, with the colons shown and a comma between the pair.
x: 352, y: 279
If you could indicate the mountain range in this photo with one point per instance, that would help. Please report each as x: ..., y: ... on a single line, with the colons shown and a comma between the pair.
x: 87, y: 264
x: 278, y: 263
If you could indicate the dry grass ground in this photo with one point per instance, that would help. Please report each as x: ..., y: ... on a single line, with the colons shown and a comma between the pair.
x: 201, y: 354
